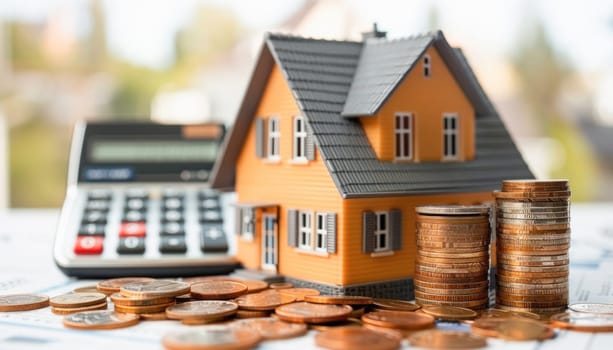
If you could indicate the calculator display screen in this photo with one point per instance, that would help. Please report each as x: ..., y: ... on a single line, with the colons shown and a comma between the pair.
x: 152, y: 151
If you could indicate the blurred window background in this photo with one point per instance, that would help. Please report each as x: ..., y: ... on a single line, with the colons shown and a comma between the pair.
x: 545, y: 64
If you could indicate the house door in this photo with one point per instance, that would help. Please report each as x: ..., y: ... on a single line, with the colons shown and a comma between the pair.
x: 269, y: 242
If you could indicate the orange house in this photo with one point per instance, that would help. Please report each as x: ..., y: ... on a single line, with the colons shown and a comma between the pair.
x: 337, y: 142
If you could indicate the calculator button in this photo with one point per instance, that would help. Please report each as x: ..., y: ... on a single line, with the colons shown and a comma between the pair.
x: 131, y: 245
x: 210, y: 216
x: 134, y: 216
x: 91, y: 230
x: 172, y: 192
x: 136, y: 204
x: 99, y: 195
x: 173, y: 245
x: 173, y: 203
x: 94, y: 216
x: 205, y: 194
x: 209, y: 203
x: 172, y: 229
x: 97, y: 204
x: 213, y: 239
x: 88, y: 245
x: 172, y: 215
x: 132, y: 229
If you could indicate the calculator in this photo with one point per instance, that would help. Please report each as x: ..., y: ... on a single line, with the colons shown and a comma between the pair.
x: 138, y: 203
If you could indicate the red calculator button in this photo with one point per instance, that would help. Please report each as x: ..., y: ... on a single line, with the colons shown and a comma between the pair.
x: 88, y: 245
x: 132, y: 229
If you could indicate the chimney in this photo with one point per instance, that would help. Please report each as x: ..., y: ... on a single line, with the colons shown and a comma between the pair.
x: 375, y: 33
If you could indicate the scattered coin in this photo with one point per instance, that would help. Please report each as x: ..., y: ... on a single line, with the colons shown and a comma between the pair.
x: 303, y: 312
x: 212, y: 337
x: 86, y: 289
x: 439, y: 339
x: 399, y: 320
x: 113, y: 285
x: 158, y: 316
x: 595, y: 308
x: 253, y: 286
x: 394, y: 305
x: 338, y: 299
x: 75, y: 300
x: 150, y: 309
x: 351, y: 321
x: 215, y: 290
x: 22, y: 302
x: 522, y: 329
x: 100, y: 320
x: 451, y: 313
x: 154, y: 289
x: 271, y: 328
x: 299, y: 293
x: 72, y: 310
x: 202, y: 310
x: 280, y: 285
x: 583, y: 322
x: 251, y: 313
x: 355, y: 338
x: 263, y: 301
x: 119, y: 299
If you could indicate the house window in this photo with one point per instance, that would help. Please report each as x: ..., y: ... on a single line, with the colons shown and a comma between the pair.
x: 382, y: 231
x: 320, y: 232
x: 404, y: 136
x: 427, y: 65
x: 274, y: 136
x: 300, y: 136
x: 305, y: 227
x: 247, y: 223
x: 450, y: 136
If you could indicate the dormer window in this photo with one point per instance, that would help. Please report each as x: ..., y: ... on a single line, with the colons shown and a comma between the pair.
x: 404, y: 136
x: 427, y: 65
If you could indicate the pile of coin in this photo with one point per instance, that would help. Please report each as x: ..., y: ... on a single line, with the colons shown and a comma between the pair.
x: 532, y: 242
x: 452, y: 259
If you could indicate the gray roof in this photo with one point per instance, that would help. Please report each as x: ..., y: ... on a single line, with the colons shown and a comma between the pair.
x: 326, y: 76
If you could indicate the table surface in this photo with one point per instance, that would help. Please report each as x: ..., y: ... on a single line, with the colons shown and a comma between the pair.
x: 26, y: 266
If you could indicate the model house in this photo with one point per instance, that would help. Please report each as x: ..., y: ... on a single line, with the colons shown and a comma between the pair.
x: 337, y: 142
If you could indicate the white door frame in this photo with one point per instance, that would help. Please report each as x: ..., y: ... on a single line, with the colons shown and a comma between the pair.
x: 270, y: 237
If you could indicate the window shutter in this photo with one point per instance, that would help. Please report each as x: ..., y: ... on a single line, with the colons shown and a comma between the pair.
x: 309, y: 143
x: 292, y: 228
x: 238, y: 221
x: 331, y: 232
x: 260, y: 137
x: 395, y: 228
x: 368, y: 234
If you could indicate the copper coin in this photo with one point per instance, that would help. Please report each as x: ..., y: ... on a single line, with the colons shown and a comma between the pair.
x: 594, y: 308
x: 531, y: 304
x: 119, y: 299
x: 22, y: 302
x: 150, y: 309
x: 536, y: 310
x: 253, y: 286
x: 154, y: 289
x: 303, y: 312
x: 198, y: 322
x: 399, y: 320
x: 451, y: 297
x: 449, y: 312
x: 446, y: 339
x: 452, y: 291
x: 113, y: 285
x: 202, y: 309
x: 263, y: 301
x: 158, y: 316
x: 215, y: 290
x: 86, y: 289
x: 460, y: 220
x: 299, y: 293
x: 106, y: 319
x: 351, y: 321
x: 74, y: 300
x: 271, y: 328
x: 394, y: 305
x: 281, y: 285
x: 522, y: 329
x: 338, y: 299
x: 72, y: 310
x: 355, y: 338
x: 488, y: 326
x: 212, y: 338
x: 251, y: 314
x: 583, y: 322
x: 460, y: 285
x: 498, y: 313
x: 453, y: 255
x: 473, y: 305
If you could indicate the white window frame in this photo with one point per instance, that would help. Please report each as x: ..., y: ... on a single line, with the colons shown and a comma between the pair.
x: 451, y: 136
x: 272, y: 250
x: 382, y: 231
x: 274, y: 139
x: 300, y: 136
x: 400, y: 132
x: 426, y: 62
x: 248, y: 224
x: 305, y: 230
x: 321, y: 232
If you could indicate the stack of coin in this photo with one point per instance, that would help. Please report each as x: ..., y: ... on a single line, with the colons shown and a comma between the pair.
x: 452, y: 260
x: 149, y: 299
x: 77, y: 302
x: 532, y: 242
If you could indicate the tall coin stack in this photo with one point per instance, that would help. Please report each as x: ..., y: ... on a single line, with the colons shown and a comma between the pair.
x: 532, y: 242
x: 452, y: 260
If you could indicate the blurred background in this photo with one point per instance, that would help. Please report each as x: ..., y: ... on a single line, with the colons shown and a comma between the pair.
x: 547, y: 66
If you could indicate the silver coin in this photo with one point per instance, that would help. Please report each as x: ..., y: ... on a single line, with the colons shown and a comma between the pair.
x: 593, y: 308
x: 533, y: 221
x: 453, y: 209
x: 532, y: 205
x: 544, y: 216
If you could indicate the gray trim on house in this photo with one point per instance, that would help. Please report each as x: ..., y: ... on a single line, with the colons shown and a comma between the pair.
x: 326, y: 76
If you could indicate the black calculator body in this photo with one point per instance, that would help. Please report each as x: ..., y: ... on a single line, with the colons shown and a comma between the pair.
x: 138, y: 203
